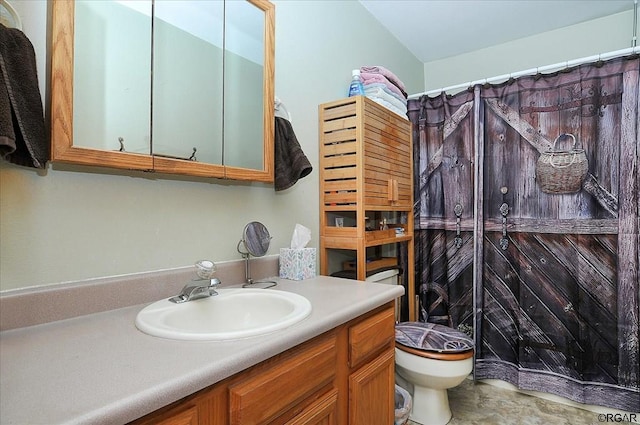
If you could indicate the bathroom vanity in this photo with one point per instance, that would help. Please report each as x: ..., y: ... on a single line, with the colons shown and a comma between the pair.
x: 334, y: 367
x: 345, y: 375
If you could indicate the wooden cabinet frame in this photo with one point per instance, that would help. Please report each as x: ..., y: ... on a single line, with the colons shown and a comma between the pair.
x: 64, y: 151
x: 366, y: 166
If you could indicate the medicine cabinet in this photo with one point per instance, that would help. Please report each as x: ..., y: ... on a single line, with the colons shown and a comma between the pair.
x: 179, y: 87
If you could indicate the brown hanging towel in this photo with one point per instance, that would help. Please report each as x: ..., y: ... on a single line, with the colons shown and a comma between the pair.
x: 291, y: 164
x: 23, y: 138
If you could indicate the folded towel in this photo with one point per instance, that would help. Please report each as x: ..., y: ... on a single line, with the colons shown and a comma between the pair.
x: 383, y: 87
x: 23, y: 138
x: 388, y: 105
x: 371, y: 78
x: 388, y: 74
x: 381, y: 94
x: 291, y: 164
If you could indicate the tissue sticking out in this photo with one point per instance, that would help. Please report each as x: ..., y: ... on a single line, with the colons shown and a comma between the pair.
x: 301, y: 237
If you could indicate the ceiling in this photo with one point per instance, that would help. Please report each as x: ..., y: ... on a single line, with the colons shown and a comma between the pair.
x: 468, y: 25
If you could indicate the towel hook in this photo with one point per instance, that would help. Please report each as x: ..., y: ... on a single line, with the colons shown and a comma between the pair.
x: 9, y: 16
x: 279, y: 107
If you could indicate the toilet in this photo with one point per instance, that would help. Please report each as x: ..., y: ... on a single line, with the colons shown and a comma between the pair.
x: 430, y: 358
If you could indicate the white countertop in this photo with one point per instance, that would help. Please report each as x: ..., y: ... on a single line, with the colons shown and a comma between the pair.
x: 100, y: 369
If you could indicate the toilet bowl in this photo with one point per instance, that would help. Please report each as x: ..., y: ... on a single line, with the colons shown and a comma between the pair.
x: 431, y: 358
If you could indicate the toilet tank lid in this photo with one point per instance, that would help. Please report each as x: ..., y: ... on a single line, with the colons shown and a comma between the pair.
x: 432, y: 337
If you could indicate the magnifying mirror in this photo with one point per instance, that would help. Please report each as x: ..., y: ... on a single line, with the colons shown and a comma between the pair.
x: 255, y: 241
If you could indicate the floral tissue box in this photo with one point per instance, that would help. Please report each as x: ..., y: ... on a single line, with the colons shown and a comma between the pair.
x: 297, y: 264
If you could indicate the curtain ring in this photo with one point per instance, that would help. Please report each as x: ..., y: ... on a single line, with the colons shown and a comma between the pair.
x: 538, y: 75
x: 423, y: 108
x: 599, y: 62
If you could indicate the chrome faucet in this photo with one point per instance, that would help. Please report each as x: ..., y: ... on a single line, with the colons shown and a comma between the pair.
x: 196, y: 289
x: 203, y: 287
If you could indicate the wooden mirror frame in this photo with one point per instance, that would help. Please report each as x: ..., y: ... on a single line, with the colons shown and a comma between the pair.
x: 63, y: 150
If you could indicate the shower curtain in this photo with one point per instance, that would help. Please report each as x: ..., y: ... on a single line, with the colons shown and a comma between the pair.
x: 546, y: 280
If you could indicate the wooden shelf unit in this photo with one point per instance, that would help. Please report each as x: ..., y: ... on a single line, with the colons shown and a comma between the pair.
x: 366, y: 173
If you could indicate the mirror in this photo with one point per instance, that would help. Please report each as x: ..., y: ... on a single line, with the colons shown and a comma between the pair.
x: 243, y: 68
x: 111, y: 78
x: 187, y: 98
x: 167, y: 86
x: 255, y: 241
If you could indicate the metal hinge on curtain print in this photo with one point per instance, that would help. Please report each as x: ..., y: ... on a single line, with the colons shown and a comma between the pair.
x: 458, y: 212
x: 504, y: 210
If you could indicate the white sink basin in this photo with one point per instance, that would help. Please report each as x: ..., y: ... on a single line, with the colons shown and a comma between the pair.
x: 233, y: 313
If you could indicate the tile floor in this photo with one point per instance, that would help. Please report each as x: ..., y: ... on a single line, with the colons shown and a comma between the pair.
x: 483, y: 404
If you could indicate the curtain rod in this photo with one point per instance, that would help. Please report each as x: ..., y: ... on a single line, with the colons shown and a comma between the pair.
x: 533, y: 71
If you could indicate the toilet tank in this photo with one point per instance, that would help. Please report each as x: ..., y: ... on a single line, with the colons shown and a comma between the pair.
x: 389, y: 277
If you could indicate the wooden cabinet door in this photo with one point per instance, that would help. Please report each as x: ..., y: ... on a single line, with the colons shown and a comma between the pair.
x: 371, y: 392
x: 387, y: 165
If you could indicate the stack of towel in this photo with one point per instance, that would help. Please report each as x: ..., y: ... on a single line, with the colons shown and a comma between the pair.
x: 385, y: 88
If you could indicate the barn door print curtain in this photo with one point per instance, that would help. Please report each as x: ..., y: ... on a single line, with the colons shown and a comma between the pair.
x: 546, y: 280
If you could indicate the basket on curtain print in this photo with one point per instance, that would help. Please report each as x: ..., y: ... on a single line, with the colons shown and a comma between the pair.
x: 562, y: 171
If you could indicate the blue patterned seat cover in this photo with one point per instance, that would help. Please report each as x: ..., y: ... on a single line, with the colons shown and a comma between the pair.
x: 432, y: 337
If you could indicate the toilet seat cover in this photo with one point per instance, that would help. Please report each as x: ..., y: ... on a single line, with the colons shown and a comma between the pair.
x: 432, y: 337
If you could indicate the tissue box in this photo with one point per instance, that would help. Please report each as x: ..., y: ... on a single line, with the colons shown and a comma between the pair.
x: 297, y: 264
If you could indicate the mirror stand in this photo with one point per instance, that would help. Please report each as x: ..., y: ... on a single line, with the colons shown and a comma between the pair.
x: 255, y: 240
x: 248, y: 280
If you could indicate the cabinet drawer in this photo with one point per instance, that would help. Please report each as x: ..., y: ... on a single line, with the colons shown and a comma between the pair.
x: 180, y: 415
x: 371, y: 336
x: 280, y: 387
x: 322, y: 412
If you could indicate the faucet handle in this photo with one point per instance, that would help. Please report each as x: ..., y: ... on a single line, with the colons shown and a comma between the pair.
x: 205, y: 269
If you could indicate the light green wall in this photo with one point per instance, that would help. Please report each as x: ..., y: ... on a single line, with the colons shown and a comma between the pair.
x: 590, y: 38
x: 64, y: 225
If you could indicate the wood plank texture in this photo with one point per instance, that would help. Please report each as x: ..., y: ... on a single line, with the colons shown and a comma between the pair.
x: 628, y: 249
x: 561, y: 298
